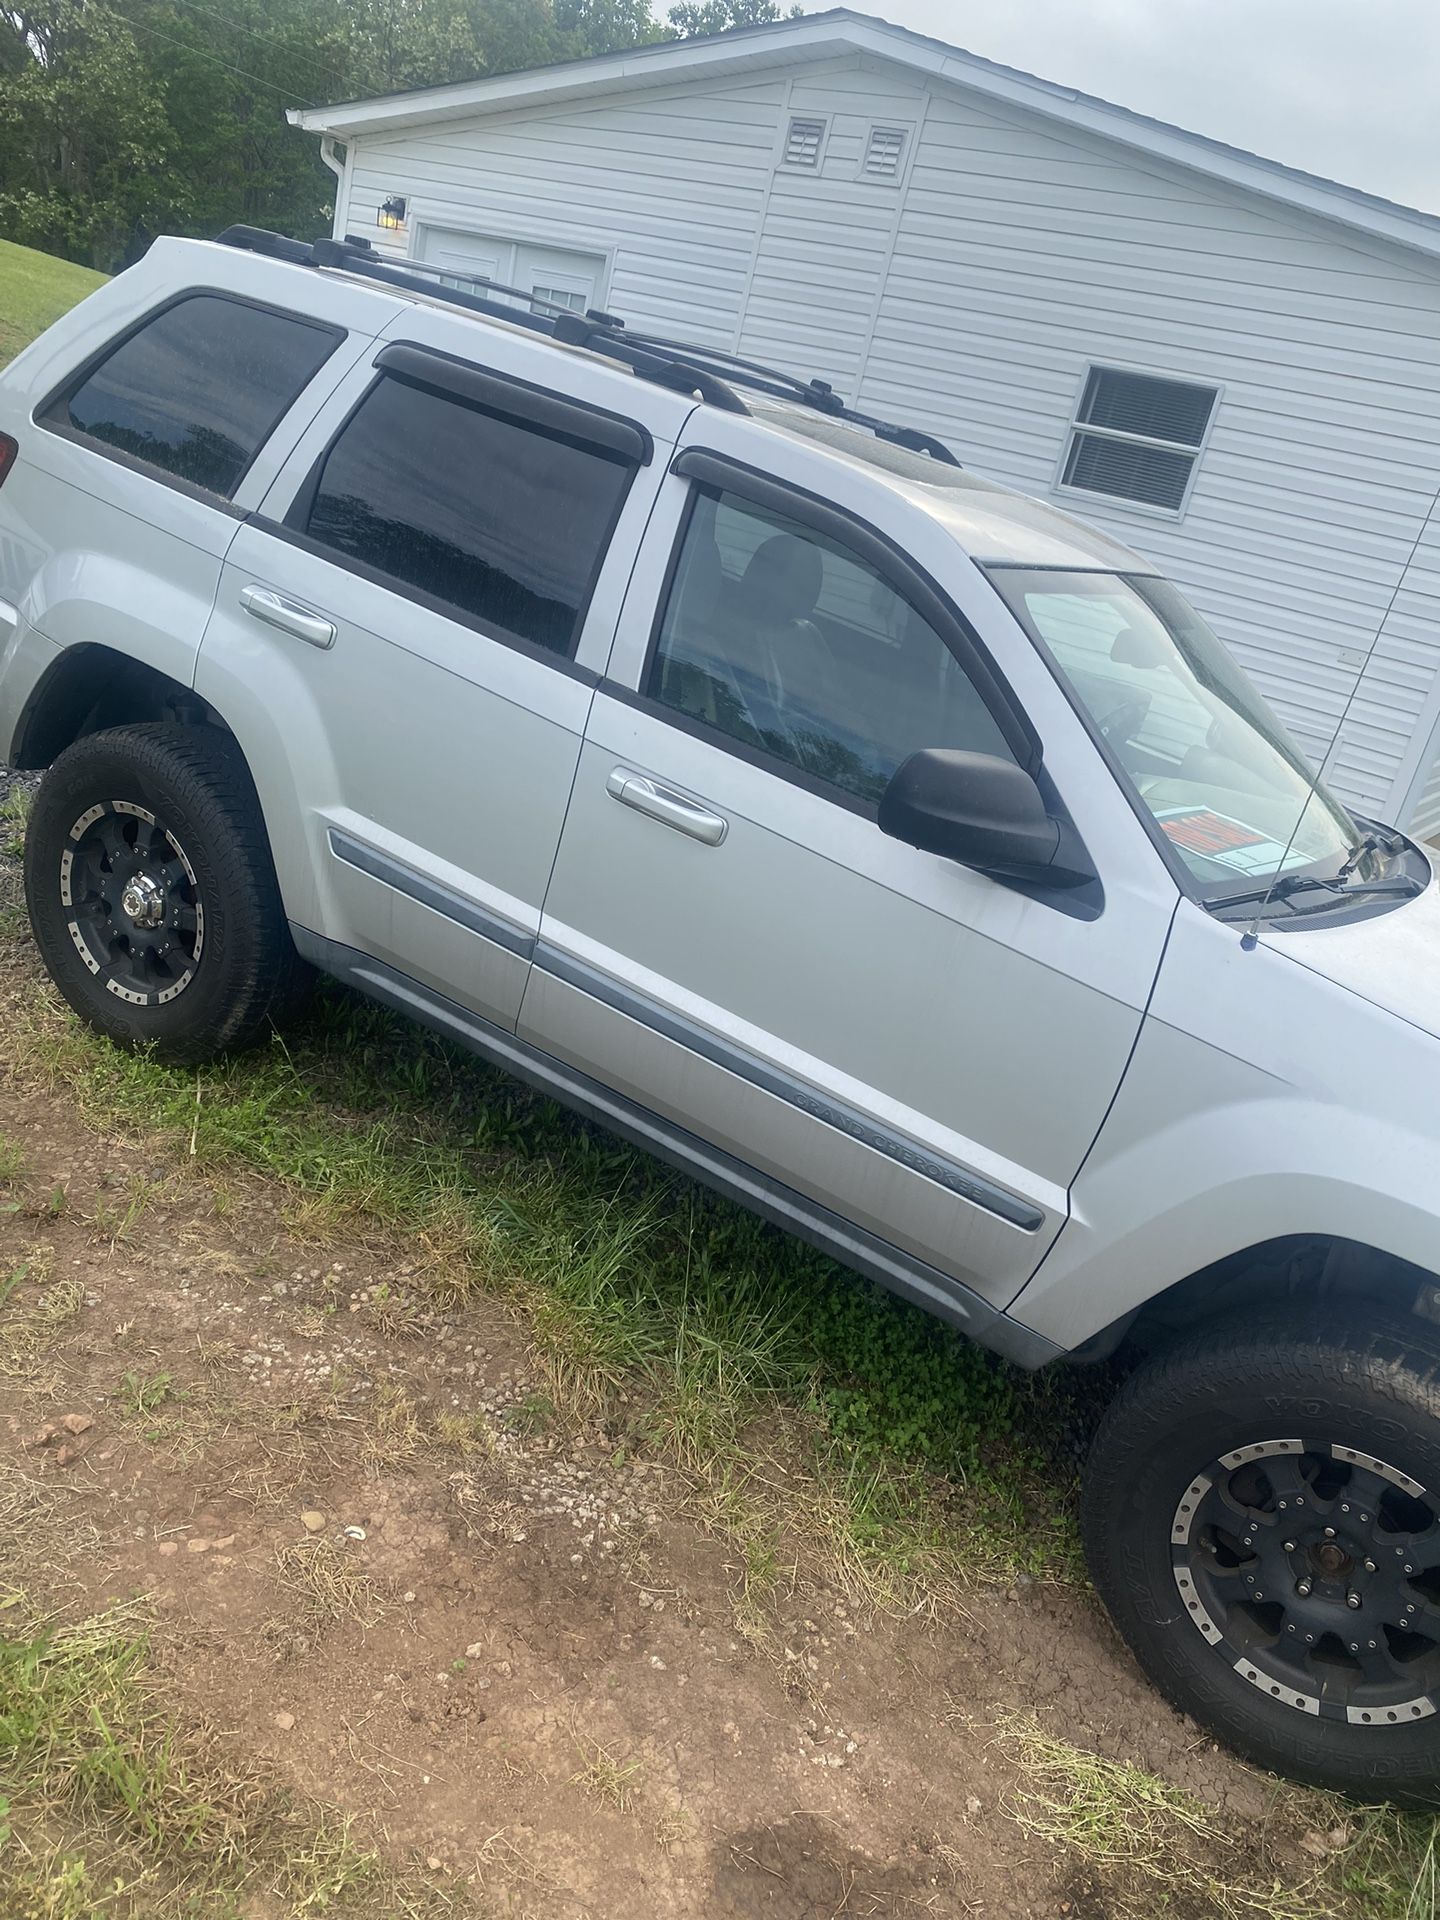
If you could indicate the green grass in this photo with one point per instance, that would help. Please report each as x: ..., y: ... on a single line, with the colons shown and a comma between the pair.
x: 35, y: 289
x: 1156, y: 1849
x: 108, y: 1807
x: 651, y: 1300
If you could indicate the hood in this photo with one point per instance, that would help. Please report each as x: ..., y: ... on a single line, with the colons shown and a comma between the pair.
x: 1392, y: 960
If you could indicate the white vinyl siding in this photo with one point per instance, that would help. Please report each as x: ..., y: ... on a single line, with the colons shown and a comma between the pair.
x: 1025, y: 254
x: 970, y: 295
x: 824, y: 249
x: 671, y: 185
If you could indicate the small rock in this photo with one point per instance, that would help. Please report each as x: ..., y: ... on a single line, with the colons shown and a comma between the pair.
x: 169, y: 1547
x: 228, y: 1541
x: 198, y: 1546
x: 284, y: 1721
x: 65, y: 1455
x: 77, y: 1423
x: 312, y: 1520
x: 42, y: 1437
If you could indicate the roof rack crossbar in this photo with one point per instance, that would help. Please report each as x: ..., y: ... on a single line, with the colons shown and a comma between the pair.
x: 712, y: 373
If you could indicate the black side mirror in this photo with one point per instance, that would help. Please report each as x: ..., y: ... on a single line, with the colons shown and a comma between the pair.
x: 984, y: 812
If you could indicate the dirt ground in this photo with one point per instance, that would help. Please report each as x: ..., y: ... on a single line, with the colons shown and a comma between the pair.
x: 510, y: 1647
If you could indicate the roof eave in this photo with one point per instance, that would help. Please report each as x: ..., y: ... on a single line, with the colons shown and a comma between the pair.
x: 842, y: 32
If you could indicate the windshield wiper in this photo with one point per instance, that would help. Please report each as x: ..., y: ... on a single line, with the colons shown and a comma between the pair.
x: 1292, y: 883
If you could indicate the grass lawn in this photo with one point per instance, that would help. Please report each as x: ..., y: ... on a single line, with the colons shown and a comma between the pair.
x: 36, y: 288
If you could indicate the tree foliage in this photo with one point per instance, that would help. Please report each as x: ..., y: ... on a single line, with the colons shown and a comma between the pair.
x: 121, y: 119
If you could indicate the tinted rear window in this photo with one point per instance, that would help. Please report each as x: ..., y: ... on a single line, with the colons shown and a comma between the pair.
x: 199, y: 388
x: 487, y: 515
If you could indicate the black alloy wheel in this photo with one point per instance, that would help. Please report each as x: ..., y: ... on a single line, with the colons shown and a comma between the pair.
x: 1317, y: 1575
x: 153, y: 895
x: 136, y: 915
x: 1261, y: 1514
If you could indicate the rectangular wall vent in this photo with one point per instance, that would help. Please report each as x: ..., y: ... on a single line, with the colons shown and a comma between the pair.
x: 885, y: 153
x: 803, y: 143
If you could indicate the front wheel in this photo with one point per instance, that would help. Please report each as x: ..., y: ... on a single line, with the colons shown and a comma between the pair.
x: 1262, y: 1517
x: 152, y: 893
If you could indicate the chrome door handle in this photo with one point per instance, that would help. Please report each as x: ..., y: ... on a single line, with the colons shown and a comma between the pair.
x: 263, y: 603
x: 662, y: 803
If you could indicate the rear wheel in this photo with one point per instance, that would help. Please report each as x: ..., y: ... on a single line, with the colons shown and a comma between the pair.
x: 152, y: 893
x: 1262, y: 1516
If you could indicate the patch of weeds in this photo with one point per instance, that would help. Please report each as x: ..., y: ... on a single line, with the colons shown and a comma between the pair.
x: 12, y: 1161
x: 673, y: 1826
x: 106, y: 1797
x: 1157, y: 1848
x: 395, y: 1314
x: 533, y: 1416
x: 468, y: 1434
x: 328, y: 1583
x: 392, y: 1427
x: 31, y: 1326
x: 614, y: 1783
x: 116, y: 1220
x: 140, y: 1396
x: 1392, y: 1866
x: 14, y: 813
x: 641, y: 1288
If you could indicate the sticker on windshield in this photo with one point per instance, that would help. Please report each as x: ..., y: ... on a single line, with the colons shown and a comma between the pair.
x: 1215, y: 836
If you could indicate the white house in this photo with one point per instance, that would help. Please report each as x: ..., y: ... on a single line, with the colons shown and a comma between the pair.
x: 1234, y: 365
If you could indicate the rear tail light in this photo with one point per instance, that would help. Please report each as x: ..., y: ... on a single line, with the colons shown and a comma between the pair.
x: 9, y: 447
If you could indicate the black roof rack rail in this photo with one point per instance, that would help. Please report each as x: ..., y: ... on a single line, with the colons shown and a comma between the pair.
x: 711, y: 372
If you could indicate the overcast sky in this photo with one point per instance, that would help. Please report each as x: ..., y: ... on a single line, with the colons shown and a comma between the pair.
x: 1345, y: 88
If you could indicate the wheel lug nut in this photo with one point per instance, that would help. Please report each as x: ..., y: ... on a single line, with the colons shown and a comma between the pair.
x: 1352, y: 1600
x: 1329, y: 1533
x: 1302, y: 1587
x: 1370, y: 1566
x: 1289, y: 1546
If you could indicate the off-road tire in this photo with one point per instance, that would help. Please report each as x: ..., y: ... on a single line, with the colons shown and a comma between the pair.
x: 1348, y: 1389
x: 193, y: 784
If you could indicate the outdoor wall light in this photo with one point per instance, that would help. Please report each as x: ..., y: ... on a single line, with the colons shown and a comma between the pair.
x: 392, y: 213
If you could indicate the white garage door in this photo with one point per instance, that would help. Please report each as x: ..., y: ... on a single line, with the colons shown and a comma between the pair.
x: 556, y: 274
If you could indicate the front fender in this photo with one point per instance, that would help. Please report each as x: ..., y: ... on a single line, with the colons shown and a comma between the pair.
x: 1149, y: 1212
x: 1263, y: 1100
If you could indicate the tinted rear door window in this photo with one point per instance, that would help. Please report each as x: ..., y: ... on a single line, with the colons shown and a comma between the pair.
x: 198, y: 389
x: 485, y: 515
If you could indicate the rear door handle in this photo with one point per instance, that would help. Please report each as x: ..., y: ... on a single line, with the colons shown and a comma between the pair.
x: 664, y: 804
x: 263, y: 603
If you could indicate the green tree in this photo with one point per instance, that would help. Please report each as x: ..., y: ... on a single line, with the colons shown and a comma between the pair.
x: 720, y: 16
x: 84, y: 140
x: 121, y: 119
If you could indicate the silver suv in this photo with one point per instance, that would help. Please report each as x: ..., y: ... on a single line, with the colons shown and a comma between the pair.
x: 893, y: 852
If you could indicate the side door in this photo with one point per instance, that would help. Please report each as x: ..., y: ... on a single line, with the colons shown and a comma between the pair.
x: 406, y: 637
x: 731, y: 941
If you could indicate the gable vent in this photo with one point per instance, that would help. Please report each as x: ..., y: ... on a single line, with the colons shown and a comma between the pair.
x: 885, y: 153
x: 803, y: 143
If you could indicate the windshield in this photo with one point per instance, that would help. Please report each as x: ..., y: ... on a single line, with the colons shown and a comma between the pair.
x: 1209, y: 761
